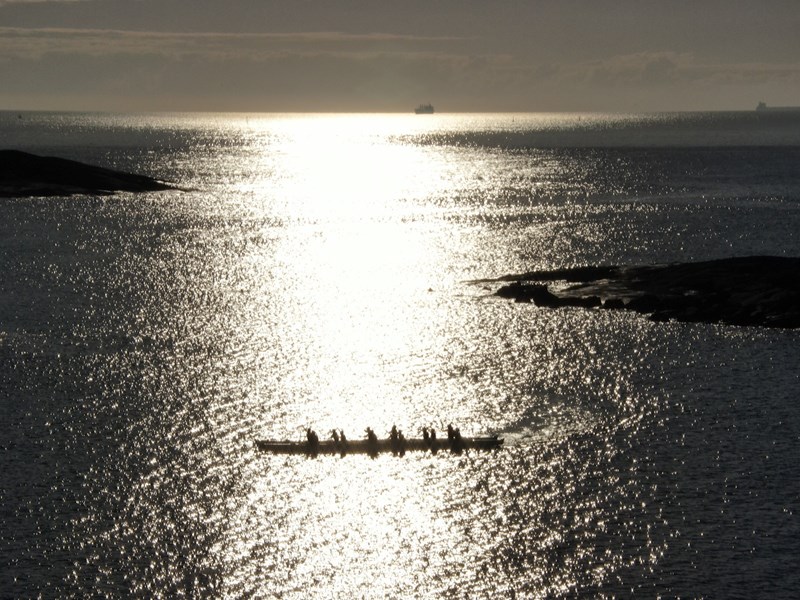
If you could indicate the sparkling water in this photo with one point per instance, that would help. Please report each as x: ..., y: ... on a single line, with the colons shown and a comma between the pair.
x: 318, y: 270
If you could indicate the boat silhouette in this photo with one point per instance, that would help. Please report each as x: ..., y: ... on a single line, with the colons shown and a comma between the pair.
x: 379, y: 446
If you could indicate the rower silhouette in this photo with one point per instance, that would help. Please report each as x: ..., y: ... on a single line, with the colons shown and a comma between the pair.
x: 454, y: 439
x: 372, y: 443
x: 394, y: 440
x: 335, y: 438
x: 313, y: 442
x: 434, y: 443
x: 401, y: 443
x: 343, y: 445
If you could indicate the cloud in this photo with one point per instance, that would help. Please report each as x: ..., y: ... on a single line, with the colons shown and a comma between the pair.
x: 7, y: 2
x: 31, y: 43
x: 116, y: 69
x: 304, y: 71
x: 672, y: 68
x: 452, y: 53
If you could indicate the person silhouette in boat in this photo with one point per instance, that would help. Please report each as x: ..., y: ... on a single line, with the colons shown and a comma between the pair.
x: 434, y: 443
x: 372, y: 443
x: 393, y: 440
x: 454, y: 439
x: 342, y: 442
x: 313, y: 441
x: 426, y: 437
x: 401, y: 443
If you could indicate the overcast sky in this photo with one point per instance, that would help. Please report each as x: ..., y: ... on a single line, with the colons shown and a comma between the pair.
x: 360, y: 55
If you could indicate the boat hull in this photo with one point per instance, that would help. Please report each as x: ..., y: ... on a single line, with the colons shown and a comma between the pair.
x: 379, y: 447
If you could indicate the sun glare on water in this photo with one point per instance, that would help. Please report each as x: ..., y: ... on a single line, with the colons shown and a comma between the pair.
x: 336, y: 261
x: 355, y: 255
x: 338, y: 272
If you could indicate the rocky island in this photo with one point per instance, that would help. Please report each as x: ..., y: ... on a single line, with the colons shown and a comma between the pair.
x: 752, y: 290
x: 23, y: 174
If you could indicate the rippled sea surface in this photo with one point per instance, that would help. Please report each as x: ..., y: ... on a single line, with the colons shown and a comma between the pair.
x: 315, y: 270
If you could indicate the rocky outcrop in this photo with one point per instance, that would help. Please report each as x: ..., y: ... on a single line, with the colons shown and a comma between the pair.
x: 23, y: 174
x: 752, y: 290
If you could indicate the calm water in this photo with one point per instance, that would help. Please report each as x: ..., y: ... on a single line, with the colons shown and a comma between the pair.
x: 317, y: 272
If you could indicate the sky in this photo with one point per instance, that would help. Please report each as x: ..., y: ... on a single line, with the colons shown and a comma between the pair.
x: 389, y: 56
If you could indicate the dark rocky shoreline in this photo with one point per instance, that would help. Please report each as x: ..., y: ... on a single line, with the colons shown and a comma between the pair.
x: 23, y: 174
x: 748, y: 291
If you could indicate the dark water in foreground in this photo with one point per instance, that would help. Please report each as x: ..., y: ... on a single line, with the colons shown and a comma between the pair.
x: 317, y: 276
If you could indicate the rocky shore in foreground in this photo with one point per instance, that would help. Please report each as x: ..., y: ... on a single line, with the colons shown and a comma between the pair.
x: 23, y: 174
x: 748, y: 291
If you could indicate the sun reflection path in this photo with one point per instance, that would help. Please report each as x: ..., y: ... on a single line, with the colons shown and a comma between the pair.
x: 342, y: 168
x: 342, y: 324
x: 349, y: 276
x: 348, y: 526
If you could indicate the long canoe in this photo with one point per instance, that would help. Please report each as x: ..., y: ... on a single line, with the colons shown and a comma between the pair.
x: 381, y: 446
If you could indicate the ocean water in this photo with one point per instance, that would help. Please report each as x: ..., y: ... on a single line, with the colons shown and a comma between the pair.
x: 318, y: 270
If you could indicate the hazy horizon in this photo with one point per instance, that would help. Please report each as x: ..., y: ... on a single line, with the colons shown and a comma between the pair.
x: 358, y: 56
x: 19, y: 111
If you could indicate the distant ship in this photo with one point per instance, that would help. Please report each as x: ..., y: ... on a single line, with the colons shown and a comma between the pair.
x: 424, y: 109
x: 762, y: 107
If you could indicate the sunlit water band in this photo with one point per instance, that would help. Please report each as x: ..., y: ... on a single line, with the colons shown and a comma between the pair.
x: 317, y: 275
